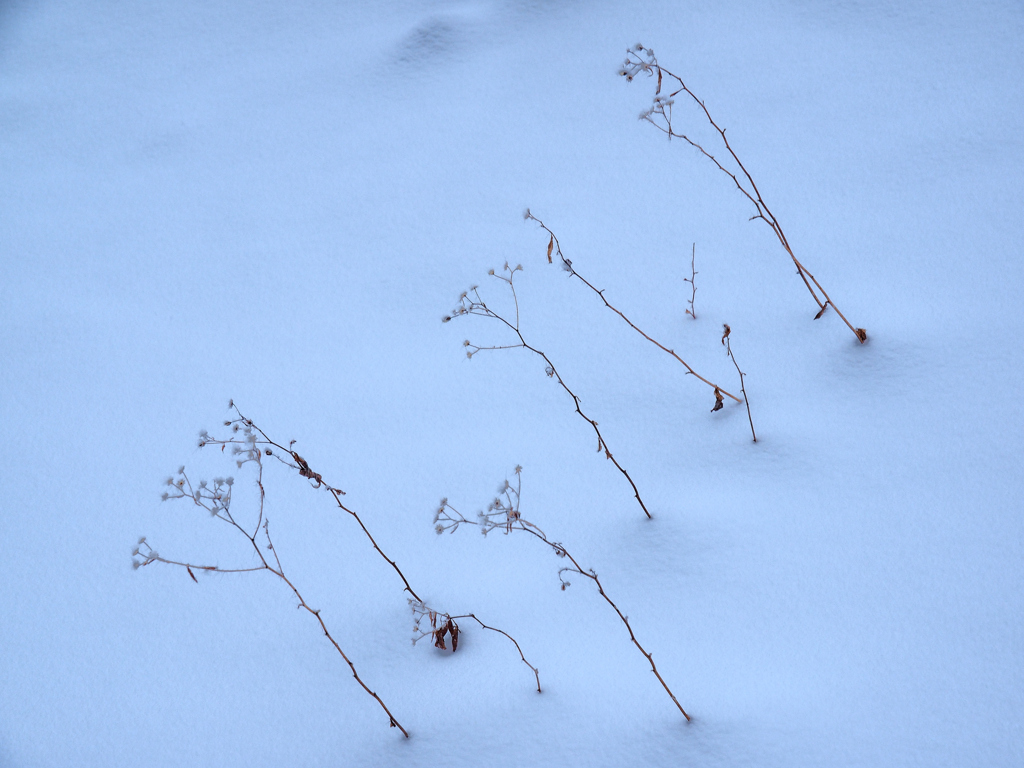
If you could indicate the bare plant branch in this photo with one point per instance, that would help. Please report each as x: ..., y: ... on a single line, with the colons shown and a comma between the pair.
x: 470, y: 303
x: 641, y: 60
x: 692, y: 280
x: 556, y: 247
x: 503, y: 514
x: 443, y: 623
x: 254, y: 438
x: 746, y: 402
x: 217, y: 501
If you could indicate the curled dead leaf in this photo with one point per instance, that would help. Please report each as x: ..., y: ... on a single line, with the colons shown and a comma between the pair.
x: 300, y: 461
x: 728, y: 330
x: 551, y: 245
x: 719, y: 400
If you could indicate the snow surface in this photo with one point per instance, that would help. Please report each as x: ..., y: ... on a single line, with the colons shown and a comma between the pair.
x: 278, y: 203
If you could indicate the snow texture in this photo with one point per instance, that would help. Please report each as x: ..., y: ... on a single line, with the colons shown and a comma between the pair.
x: 278, y: 203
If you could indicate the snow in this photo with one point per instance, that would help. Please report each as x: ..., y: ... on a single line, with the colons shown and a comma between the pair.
x: 279, y: 206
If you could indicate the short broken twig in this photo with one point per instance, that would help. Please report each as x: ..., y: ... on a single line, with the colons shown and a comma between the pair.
x: 692, y: 280
x: 746, y: 402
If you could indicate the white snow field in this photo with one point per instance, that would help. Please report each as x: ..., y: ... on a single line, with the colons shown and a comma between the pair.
x: 278, y: 203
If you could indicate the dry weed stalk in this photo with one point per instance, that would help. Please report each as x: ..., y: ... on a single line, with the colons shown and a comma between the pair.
x: 255, y: 437
x: 217, y: 501
x: 251, y: 444
x: 692, y: 280
x: 728, y: 348
x: 641, y: 60
x: 503, y: 514
x: 470, y: 303
x: 555, y: 247
x: 442, y: 624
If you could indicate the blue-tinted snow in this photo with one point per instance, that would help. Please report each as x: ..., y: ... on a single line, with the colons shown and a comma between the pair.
x: 278, y: 205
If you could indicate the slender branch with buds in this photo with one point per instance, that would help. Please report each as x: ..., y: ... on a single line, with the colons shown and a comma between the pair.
x: 470, y: 303
x: 743, y: 389
x: 555, y: 247
x: 216, y: 500
x: 641, y: 60
x: 503, y: 514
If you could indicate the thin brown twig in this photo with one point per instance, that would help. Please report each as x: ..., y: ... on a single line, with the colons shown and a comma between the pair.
x: 556, y: 247
x: 662, y: 109
x: 243, y: 423
x: 441, y: 622
x: 217, y: 501
x: 746, y: 402
x: 692, y: 280
x: 470, y: 303
x: 503, y: 514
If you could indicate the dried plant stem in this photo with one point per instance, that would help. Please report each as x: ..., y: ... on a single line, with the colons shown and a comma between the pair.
x: 746, y: 402
x: 660, y: 116
x: 692, y: 280
x: 440, y: 622
x: 503, y: 514
x: 474, y: 305
x: 304, y: 470
x: 555, y: 247
x: 217, y: 502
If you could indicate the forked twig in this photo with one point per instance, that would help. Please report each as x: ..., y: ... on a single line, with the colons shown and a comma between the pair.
x: 470, y: 303
x: 555, y: 247
x: 642, y: 60
x: 503, y: 514
x: 217, y: 501
x: 743, y: 389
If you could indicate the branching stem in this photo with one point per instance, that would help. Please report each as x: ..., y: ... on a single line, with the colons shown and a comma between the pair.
x: 660, y: 116
x: 568, y: 267
x: 470, y: 303
x: 503, y: 514
x: 297, y: 462
x: 692, y: 280
x: 746, y: 402
x: 217, y: 502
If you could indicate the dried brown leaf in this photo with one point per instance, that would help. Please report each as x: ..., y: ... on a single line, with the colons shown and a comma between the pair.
x: 719, y: 400
x: 301, y: 462
x: 551, y: 245
x: 821, y: 311
x: 728, y: 330
x: 191, y: 574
